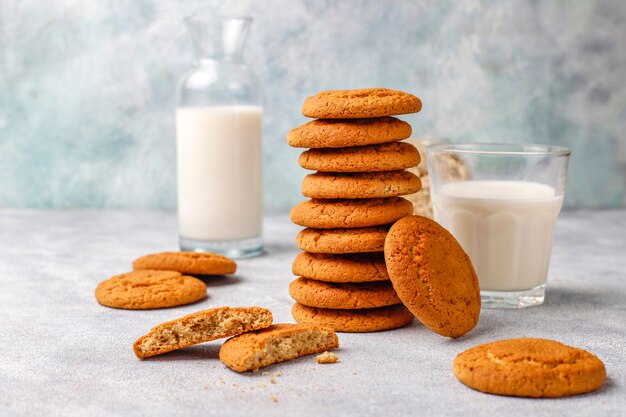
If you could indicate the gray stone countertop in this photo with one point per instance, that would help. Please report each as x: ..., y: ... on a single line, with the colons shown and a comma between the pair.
x: 65, y: 355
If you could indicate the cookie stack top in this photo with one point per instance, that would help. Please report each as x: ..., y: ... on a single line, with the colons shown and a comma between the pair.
x: 355, y: 147
x: 354, y: 198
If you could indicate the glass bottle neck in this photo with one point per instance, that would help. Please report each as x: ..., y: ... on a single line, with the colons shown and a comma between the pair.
x: 218, y: 39
x: 208, y: 61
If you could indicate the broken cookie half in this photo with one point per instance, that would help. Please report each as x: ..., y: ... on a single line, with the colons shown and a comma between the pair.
x: 202, y: 326
x: 277, y: 343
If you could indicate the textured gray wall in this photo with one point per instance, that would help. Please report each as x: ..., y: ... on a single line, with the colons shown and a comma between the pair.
x: 87, y: 87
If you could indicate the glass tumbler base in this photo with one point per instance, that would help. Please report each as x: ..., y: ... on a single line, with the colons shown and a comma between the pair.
x: 237, y: 249
x: 513, y: 299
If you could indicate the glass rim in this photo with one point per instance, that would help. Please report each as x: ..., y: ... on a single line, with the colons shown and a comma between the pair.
x: 509, y: 149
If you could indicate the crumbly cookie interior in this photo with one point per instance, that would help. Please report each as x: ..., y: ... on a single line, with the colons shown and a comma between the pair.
x: 282, y: 348
x: 199, y: 329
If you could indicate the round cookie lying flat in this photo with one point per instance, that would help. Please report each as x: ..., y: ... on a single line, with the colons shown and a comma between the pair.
x: 529, y: 368
x: 354, y: 321
x: 335, y: 214
x: 343, y: 133
x: 373, y: 158
x: 362, y: 103
x: 350, y: 296
x: 360, y: 184
x: 366, y: 239
x: 433, y: 276
x: 196, y: 263
x: 147, y: 289
x: 341, y: 268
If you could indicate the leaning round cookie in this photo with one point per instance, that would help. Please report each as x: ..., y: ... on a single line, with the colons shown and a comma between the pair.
x: 354, y: 321
x: 529, y: 368
x: 350, y: 214
x: 360, y: 184
x: 196, y: 263
x: 351, y: 296
x: 373, y: 158
x: 433, y: 275
x: 362, y: 103
x: 360, y: 240
x: 360, y: 267
x: 147, y: 289
x: 343, y: 133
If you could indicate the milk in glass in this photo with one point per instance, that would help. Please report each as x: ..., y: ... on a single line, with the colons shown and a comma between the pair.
x: 506, y: 228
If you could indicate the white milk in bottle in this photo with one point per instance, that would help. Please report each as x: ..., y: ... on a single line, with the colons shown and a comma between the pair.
x: 506, y: 228
x: 219, y: 158
x: 218, y: 142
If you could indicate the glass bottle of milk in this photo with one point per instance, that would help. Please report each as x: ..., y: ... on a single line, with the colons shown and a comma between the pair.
x: 218, y: 143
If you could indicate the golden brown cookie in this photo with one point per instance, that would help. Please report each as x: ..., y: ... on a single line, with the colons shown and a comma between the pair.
x: 354, y: 321
x: 529, y: 368
x: 393, y: 156
x: 335, y: 185
x: 343, y: 133
x: 433, y: 275
x: 343, y: 296
x: 200, y: 327
x: 362, y: 103
x: 366, y: 267
x: 334, y: 214
x: 277, y: 343
x: 147, y: 289
x: 365, y: 239
x: 195, y: 263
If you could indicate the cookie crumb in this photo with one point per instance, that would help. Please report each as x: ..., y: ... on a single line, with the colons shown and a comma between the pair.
x: 274, y: 399
x: 265, y: 373
x: 273, y: 381
x: 327, y: 357
x: 277, y: 374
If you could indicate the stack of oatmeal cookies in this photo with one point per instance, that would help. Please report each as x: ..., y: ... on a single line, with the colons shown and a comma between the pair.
x: 354, y: 198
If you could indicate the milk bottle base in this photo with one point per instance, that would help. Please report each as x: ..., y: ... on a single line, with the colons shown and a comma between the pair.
x: 244, y: 248
x: 513, y: 299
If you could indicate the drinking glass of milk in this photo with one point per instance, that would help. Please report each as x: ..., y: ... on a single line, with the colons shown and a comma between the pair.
x: 218, y: 143
x: 502, y: 212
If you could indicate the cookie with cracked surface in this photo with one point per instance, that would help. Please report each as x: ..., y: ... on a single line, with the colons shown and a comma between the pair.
x: 202, y: 326
x: 195, y: 263
x: 354, y: 321
x: 359, y: 240
x: 433, y: 275
x: 529, y: 368
x: 360, y: 267
x: 148, y: 289
x: 277, y: 343
x: 344, y: 133
x: 343, y: 296
x: 393, y: 156
x: 350, y: 214
x: 361, y: 103
x: 334, y: 185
